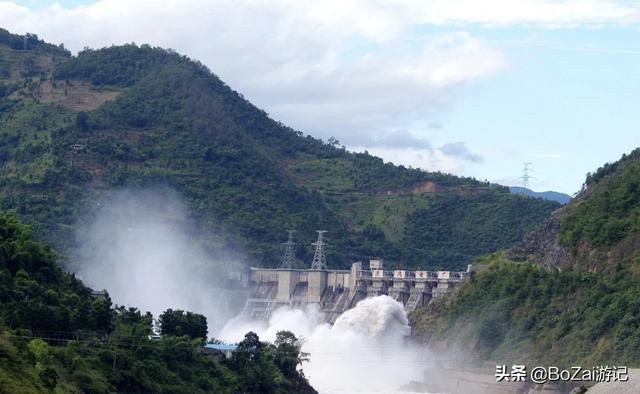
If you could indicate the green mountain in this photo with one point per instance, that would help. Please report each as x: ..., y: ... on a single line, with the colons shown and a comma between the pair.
x: 73, y: 129
x: 568, y: 294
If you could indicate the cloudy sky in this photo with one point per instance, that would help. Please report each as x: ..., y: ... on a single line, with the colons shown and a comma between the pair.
x: 471, y: 87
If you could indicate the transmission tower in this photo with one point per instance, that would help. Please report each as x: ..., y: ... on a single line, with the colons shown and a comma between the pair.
x: 319, y: 258
x: 289, y: 251
x: 526, y: 174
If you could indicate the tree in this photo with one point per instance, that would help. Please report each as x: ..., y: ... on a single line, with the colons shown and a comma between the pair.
x: 333, y: 141
x: 256, y: 360
x: 49, y: 377
x: 249, y: 348
x: 82, y: 121
x: 178, y: 323
x: 289, y: 354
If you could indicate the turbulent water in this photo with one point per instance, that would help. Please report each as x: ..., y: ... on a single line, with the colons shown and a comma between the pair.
x: 365, y: 351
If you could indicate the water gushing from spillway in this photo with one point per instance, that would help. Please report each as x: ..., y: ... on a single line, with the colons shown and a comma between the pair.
x: 365, y: 351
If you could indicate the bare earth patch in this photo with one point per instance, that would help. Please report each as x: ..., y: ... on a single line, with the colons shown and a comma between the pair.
x: 74, y: 94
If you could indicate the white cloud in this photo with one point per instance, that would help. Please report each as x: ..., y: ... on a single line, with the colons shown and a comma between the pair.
x: 401, y: 139
x: 460, y: 150
x: 543, y: 13
x: 442, y: 159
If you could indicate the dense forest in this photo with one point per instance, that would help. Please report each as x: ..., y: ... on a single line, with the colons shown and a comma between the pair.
x: 464, y: 226
x: 56, y: 335
x: 77, y: 128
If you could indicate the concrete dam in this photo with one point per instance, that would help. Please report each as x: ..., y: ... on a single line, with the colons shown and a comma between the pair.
x: 335, y: 291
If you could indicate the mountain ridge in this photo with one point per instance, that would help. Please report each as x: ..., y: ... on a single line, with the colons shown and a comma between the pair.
x: 561, y: 198
x: 152, y: 116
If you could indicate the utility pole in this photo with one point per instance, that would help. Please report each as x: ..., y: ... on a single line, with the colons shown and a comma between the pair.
x: 526, y: 174
x: 319, y: 258
x: 289, y: 251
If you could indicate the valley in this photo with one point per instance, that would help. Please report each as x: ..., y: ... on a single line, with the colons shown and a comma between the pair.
x: 145, y: 208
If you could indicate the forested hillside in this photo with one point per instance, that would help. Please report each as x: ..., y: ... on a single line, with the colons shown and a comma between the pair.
x: 568, y: 293
x: 72, y: 129
x: 56, y: 335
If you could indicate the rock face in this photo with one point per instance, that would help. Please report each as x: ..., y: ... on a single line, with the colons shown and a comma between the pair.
x: 541, y: 246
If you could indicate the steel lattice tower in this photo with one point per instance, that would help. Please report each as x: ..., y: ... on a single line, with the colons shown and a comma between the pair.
x: 319, y: 258
x: 289, y: 257
x: 526, y: 175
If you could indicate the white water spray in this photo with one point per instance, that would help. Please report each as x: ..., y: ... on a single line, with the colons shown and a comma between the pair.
x: 142, y: 247
x: 365, y: 351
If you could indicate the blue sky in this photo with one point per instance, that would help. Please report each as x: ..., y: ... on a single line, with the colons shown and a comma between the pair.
x: 568, y: 104
x: 475, y: 88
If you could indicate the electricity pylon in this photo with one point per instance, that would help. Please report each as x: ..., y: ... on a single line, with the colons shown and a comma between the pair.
x: 319, y: 258
x: 289, y: 257
x: 526, y: 175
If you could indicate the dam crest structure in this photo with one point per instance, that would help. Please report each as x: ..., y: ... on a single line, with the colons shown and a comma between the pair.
x: 336, y: 290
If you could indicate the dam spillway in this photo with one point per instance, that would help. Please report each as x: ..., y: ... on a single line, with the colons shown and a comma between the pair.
x: 336, y: 291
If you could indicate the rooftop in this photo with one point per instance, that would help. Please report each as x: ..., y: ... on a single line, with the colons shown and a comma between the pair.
x: 220, y: 346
